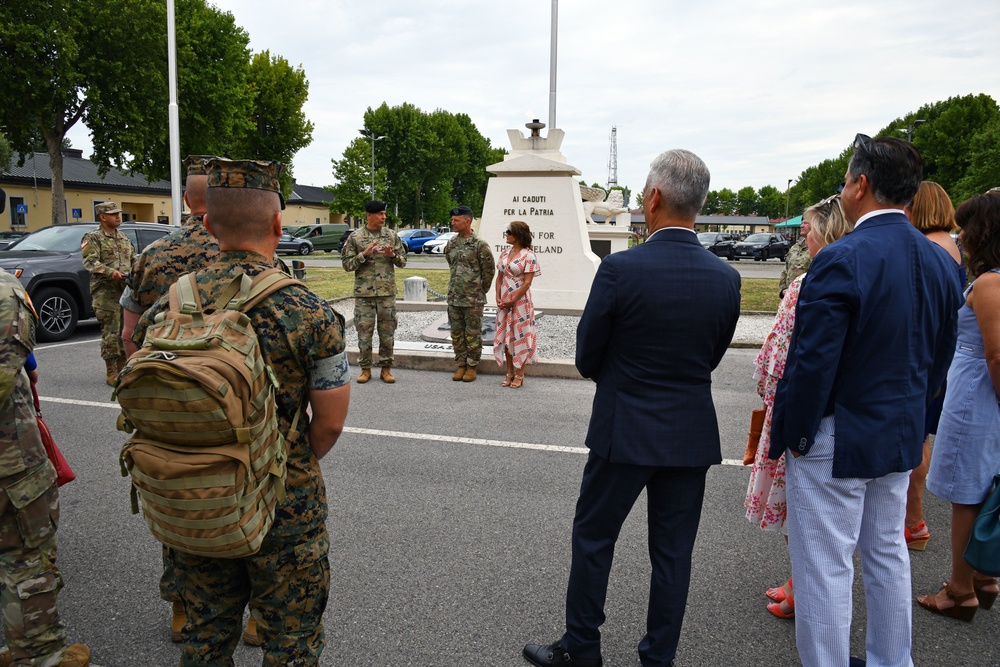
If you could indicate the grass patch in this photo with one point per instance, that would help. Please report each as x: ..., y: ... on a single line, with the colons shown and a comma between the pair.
x: 334, y: 283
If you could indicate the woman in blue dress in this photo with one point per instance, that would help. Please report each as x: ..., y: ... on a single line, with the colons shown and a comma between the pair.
x: 967, y: 449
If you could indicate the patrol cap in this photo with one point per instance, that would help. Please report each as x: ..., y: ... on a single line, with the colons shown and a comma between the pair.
x: 374, y: 206
x: 461, y: 210
x: 107, y: 208
x: 253, y: 174
x: 195, y: 164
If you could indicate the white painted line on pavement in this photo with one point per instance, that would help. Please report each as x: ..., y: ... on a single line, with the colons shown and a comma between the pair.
x: 406, y: 436
x: 76, y: 342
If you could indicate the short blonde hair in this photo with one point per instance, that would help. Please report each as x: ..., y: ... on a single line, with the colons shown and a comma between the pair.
x: 826, y: 220
x: 932, y: 210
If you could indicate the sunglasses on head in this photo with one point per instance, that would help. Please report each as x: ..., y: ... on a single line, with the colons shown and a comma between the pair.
x: 861, y: 142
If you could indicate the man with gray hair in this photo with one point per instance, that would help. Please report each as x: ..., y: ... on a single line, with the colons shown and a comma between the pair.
x: 653, y: 424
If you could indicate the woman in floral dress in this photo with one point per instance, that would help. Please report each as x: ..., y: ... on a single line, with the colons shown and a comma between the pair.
x: 515, y: 343
x: 822, y: 224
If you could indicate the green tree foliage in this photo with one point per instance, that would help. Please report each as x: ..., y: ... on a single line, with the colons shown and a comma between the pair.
x: 772, y: 202
x: 983, y: 171
x: 747, y: 201
x: 431, y: 163
x: 727, y: 201
x: 6, y: 152
x: 353, y: 173
x: 638, y: 198
x: 278, y: 127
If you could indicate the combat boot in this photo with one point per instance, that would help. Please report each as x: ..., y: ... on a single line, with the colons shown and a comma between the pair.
x: 111, y: 368
x: 76, y: 655
x: 387, y: 375
x: 470, y: 374
x: 120, y: 364
x: 365, y: 376
x: 459, y: 374
x: 177, y: 620
x: 250, y: 636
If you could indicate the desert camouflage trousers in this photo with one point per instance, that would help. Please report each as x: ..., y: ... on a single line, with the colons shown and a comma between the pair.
x: 466, y: 325
x: 29, y: 578
x: 286, y: 584
x: 370, y: 311
x: 109, y: 314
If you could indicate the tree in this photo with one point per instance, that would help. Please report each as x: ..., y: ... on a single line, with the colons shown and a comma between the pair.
x: 353, y: 174
x: 63, y: 62
x: 984, y: 164
x: 772, y: 202
x: 105, y: 64
x: 638, y: 198
x: 278, y: 127
x: 712, y: 204
x: 747, y: 201
x: 6, y: 152
x: 727, y: 201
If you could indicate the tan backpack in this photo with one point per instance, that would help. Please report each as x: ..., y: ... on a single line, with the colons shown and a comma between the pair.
x: 207, y: 459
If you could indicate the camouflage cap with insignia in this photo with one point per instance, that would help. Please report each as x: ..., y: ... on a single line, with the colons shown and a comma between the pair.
x: 253, y: 174
x: 195, y: 164
x: 107, y: 208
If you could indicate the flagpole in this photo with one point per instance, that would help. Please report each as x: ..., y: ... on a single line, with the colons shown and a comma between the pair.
x: 173, y: 119
x: 552, y: 65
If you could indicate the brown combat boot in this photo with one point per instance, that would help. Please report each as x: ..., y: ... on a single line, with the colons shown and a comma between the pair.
x: 76, y: 655
x: 387, y: 375
x: 120, y: 364
x: 364, y: 376
x: 111, y: 369
x: 177, y: 620
x: 459, y: 374
x: 470, y: 374
x: 250, y: 636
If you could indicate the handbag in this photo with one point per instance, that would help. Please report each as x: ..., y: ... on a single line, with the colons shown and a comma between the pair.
x: 983, y: 552
x: 753, y: 441
x: 64, y: 474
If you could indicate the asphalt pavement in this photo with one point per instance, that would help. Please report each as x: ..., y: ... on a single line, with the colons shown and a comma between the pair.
x: 450, y: 514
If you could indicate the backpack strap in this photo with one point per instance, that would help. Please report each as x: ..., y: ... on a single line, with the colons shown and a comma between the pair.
x: 184, y: 295
x: 238, y: 289
x: 264, y: 285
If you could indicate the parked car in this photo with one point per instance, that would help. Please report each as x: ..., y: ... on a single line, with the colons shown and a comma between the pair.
x: 288, y: 244
x: 49, y: 263
x: 761, y: 247
x: 414, y: 239
x: 7, y: 238
x: 323, y: 237
x: 436, y: 247
x: 719, y: 243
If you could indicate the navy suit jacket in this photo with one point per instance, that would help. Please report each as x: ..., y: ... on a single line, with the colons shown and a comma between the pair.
x: 875, y: 331
x: 659, y: 318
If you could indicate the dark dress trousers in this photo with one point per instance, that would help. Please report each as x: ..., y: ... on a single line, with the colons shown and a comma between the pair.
x: 659, y: 318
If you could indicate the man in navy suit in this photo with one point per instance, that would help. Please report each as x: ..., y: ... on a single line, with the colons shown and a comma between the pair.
x: 659, y: 318
x: 874, y: 336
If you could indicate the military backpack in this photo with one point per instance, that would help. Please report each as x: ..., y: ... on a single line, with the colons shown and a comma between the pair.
x: 207, y: 460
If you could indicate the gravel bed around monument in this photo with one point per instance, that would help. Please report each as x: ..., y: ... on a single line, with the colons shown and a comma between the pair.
x: 556, y: 333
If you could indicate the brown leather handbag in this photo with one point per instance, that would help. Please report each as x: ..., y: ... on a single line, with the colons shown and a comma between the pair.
x: 753, y: 441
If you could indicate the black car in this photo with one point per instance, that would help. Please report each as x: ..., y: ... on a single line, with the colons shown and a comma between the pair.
x: 289, y: 244
x: 719, y: 243
x: 343, y: 240
x: 49, y: 263
x: 761, y: 247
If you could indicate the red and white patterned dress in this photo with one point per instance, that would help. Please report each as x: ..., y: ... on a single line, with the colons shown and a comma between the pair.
x: 516, y: 325
x: 765, y: 501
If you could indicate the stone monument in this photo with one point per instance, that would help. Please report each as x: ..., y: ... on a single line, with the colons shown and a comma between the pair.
x: 535, y: 184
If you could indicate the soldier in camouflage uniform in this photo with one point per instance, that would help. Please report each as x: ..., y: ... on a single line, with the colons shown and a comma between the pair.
x: 29, y: 505
x: 190, y: 248
x: 472, y: 267
x: 797, y: 260
x: 372, y: 253
x: 301, y: 338
x: 108, y: 255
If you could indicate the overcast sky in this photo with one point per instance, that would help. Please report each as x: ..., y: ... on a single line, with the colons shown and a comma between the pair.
x: 760, y: 89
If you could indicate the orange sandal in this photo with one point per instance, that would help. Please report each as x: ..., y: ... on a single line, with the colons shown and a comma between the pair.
x: 518, y: 381
x: 917, y: 536
x: 784, y: 609
x: 778, y: 592
x: 506, y: 382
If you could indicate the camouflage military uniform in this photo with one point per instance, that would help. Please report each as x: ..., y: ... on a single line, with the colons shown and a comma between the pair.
x: 472, y: 269
x: 796, y: 263
x: 103, y: 254
x: 374, y: 292
x: 287, y: 582
x: 29, y: 499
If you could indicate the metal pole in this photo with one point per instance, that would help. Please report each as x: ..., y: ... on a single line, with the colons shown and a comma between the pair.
x: 173, y: 119
x: 788, y: 189
x: 552, y: 65
x: 372, y: 137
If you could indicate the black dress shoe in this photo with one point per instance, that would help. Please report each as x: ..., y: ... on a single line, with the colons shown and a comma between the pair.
x: 554, y: 655
x: 857, y: 662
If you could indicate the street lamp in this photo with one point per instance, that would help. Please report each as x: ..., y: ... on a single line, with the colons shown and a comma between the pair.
x: 371, y: 136
x: 787, y: 190
x: 912, y: 126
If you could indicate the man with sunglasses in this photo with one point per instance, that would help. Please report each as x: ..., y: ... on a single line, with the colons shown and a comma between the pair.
x: 874, y: 336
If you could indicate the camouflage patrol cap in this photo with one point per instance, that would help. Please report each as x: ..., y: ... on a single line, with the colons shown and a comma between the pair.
x: 195, y: 164
x: 253, y: 174
x: 107, y: 208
